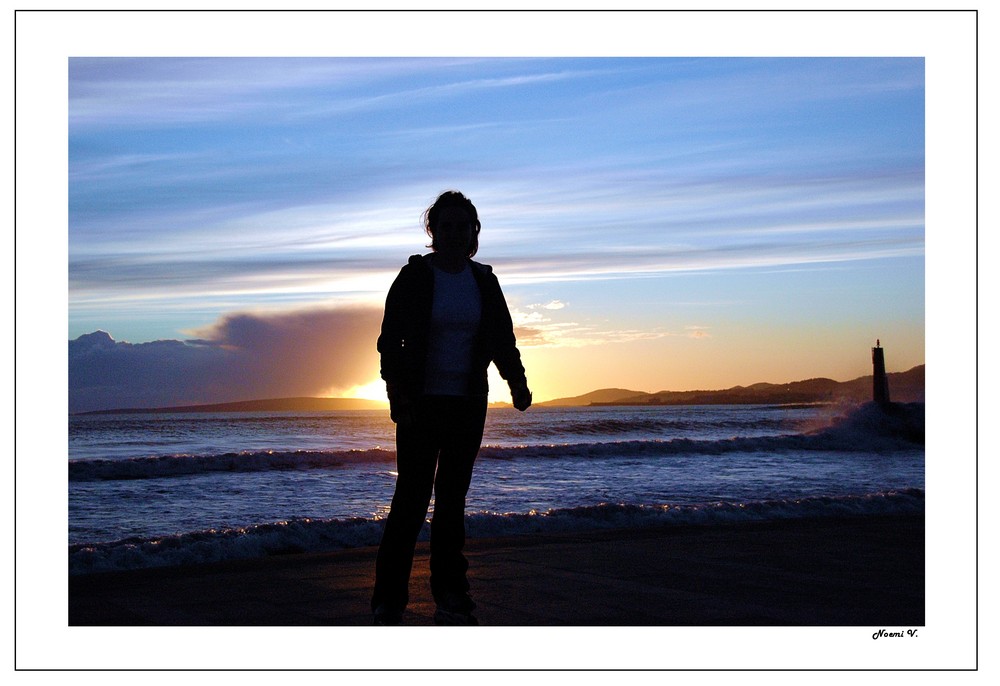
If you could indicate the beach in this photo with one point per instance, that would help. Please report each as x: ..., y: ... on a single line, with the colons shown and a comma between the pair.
x: 823, y: 571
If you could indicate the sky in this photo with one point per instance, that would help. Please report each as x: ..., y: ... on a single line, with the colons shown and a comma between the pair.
x: 660, y: 223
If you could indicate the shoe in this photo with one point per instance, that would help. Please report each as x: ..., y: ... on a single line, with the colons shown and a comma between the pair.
x: 455, y: 609
x: 387, y: 616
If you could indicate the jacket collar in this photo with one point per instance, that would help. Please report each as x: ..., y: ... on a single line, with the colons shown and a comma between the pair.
x: 425, y: 262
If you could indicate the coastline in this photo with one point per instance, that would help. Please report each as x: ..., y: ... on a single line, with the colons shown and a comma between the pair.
x: 831, y: 571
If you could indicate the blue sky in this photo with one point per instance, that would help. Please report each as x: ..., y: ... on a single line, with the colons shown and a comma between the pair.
x: 666, y: 223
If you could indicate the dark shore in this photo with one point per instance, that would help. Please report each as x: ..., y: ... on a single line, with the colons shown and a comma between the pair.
x: 857, y: 571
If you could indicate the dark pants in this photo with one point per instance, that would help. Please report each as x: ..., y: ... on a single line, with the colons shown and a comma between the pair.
x: 436, y: 450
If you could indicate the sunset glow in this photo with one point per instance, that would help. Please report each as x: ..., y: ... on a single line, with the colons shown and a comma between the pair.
x: 374, y: 390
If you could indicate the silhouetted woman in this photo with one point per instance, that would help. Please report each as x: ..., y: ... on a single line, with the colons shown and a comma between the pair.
x: 445, y: 321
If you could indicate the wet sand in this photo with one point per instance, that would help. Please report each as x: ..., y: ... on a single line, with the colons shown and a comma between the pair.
x: 857, y: 571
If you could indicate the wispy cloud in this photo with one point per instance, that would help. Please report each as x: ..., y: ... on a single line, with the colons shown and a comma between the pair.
x: 547, y: 326
x: 188, y: 91
x: 551, y: 305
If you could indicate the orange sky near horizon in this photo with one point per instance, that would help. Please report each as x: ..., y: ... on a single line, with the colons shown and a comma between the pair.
x: 683, y: 364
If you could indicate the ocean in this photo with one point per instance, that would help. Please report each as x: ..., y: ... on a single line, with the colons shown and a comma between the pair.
x: 148, y: 490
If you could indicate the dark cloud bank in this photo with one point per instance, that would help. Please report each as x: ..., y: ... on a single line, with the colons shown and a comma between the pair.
x: 242, y: 357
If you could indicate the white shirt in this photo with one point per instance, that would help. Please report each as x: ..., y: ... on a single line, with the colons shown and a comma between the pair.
x: 455, y: 319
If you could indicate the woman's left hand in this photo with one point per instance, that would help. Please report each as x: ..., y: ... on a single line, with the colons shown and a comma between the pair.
x: 521, y: 397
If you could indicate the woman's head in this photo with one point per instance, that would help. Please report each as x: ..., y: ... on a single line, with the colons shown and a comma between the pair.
x: 453, y: 224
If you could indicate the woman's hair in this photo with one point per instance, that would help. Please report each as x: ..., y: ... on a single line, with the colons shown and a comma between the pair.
x: 452, y: 199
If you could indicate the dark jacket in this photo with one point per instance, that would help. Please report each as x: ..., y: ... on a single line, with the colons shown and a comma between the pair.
x: 406, y: 328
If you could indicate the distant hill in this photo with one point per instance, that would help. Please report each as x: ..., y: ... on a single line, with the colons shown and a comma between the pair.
x: 903, y: 387
x: 605, y: 395
x: 268, y: 405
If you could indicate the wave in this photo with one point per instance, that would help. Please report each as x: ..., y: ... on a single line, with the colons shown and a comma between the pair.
x: 313, y: 535
x: 869, y: 428
x: 651, y: 426
x: 181, y: 465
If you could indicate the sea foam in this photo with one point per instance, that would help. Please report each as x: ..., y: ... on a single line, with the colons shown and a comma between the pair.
x: 316, y: 535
